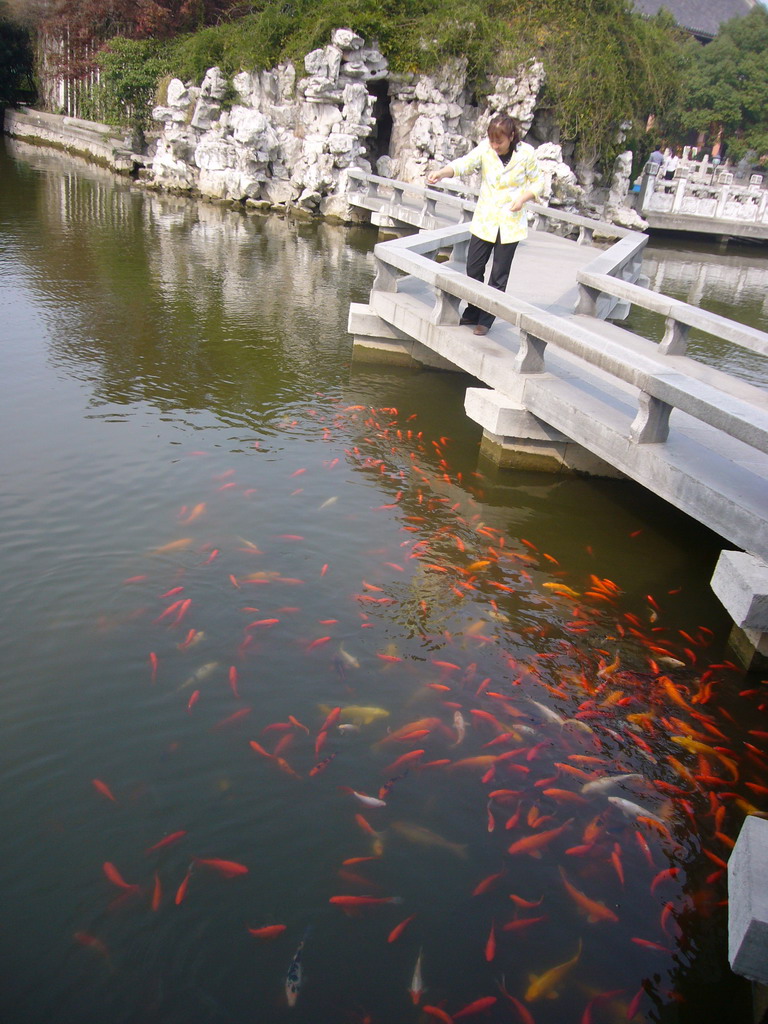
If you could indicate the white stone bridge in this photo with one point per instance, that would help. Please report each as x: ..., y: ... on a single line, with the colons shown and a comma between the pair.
x: 565, y: 388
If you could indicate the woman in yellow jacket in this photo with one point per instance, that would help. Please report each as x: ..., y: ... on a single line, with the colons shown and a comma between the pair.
x: 510, y: 178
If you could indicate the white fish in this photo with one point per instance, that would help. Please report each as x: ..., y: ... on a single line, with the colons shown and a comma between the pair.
x: 348, y: 727
x: 633, y: 810
x: 347, y: 658
x: 293, y: 978
x: 460, y: 725
x: 200, y: 674
x: 367, y: 801
x: 328, y: 502
x: 547, y: 713
x: 417, y: 987
x: 608, y: 782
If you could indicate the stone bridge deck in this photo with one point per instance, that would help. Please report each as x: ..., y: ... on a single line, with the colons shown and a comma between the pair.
x: 564, y: 387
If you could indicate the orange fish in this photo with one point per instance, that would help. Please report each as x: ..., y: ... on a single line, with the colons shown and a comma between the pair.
x: 405, y: 759
x: 593, y: 910
x: 117, y: 879
x: 476, y: 1007
x: 181, y: 892
x: 226, y: 868
x: 533, y: 844
x: 269, y: 931
x: 398, y: 930
x: 157, y: 893
x: 166, y: 841
x: 104, y: 789
x: 490, y: 945
x: 437, y: 1013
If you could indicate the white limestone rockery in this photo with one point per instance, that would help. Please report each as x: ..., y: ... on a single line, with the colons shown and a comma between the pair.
x: 277, y: 139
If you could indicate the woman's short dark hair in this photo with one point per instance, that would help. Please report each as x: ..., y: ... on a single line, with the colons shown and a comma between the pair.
x: 506, y: 126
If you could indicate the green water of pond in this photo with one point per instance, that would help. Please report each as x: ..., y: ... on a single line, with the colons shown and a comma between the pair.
x: 218, y: 530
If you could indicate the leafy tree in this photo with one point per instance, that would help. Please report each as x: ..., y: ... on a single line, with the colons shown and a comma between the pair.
x: 16, y: 60
x: 727, y: 95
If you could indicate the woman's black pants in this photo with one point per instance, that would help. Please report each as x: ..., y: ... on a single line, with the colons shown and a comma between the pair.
x: 477, y: 257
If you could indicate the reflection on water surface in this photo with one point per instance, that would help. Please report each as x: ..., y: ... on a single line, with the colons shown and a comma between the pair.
x: 280, y: 652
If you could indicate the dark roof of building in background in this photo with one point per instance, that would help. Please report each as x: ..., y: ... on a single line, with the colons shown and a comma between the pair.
x: 701, y: 17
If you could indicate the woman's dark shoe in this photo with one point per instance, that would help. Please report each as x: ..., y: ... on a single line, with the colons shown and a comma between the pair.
x: 480, y: 329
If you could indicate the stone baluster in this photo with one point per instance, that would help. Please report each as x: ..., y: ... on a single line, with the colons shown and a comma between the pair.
x: 586, y: 235
x: 762, y: 210
x: 530, y: 355
x: 385, y: 279
x: 445, y: 311
x: 651, y: 425
x: 675, y: 340
x: 725, y: 195
x: 680, y: 183
x: 429, y: 213
x: 459, y: 251
x: 587, y: 302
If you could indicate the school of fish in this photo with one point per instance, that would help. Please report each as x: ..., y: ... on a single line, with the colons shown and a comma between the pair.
x: 570, y: 757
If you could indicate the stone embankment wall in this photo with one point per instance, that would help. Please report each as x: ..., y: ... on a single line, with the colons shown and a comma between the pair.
x: 279, y: 139
x: 288, y: 140
x: 100, y: 143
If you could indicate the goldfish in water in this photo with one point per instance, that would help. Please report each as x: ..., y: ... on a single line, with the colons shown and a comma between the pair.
x: 417, y: 986
x: 547, y: 985
x: 593, y: 910
x: 422, y: 836
x: 293, y: 978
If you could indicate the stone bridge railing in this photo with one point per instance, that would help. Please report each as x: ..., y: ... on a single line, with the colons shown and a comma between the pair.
x: 660, y: 386
x: 429, y: 207
x: 457, y: 201
x: 714, y: 196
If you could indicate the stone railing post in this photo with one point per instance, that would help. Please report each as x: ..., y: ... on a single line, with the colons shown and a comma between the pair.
x: 429, y: 213
x: 385, y: 279
x: 587, y: 302
x: 459, y: 251
x: 675, y: 340
x: 677, y: 202
x: 762, y: 208
x: 651, y: 425
x: 585, y: 235
x: 724, y: 196
x: 445, y: 311
x: 530, y: 355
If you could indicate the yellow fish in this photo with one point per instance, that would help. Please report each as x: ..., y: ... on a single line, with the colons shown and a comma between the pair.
x: 697, y: 747
x: 560, y: 588
x: 358, y: 715
x: 175, y: 545
x: 546, y: 985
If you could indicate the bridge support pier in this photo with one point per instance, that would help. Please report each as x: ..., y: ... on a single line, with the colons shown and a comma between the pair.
x: 514, y: 438
x: 376, y: 341
x: 740, y: 581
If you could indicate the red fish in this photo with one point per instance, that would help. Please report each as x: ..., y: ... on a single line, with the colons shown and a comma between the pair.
x: 269, y: 931
x: 181, y: 892
x: 166, y: 841
x: 490, y: 945
x: 410, y: 758
x: 104, y: 789
x: 532, y: 844
x: 398, y: 930
x: 226, y: 868
x: 233, y: 680
x: 153, y: 665
x: 117, y: 879
x: 157, y: 893
x: 476, y: 1007
x: 437, y: 1013
x: 193, y: 700
x: 355, y: 902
